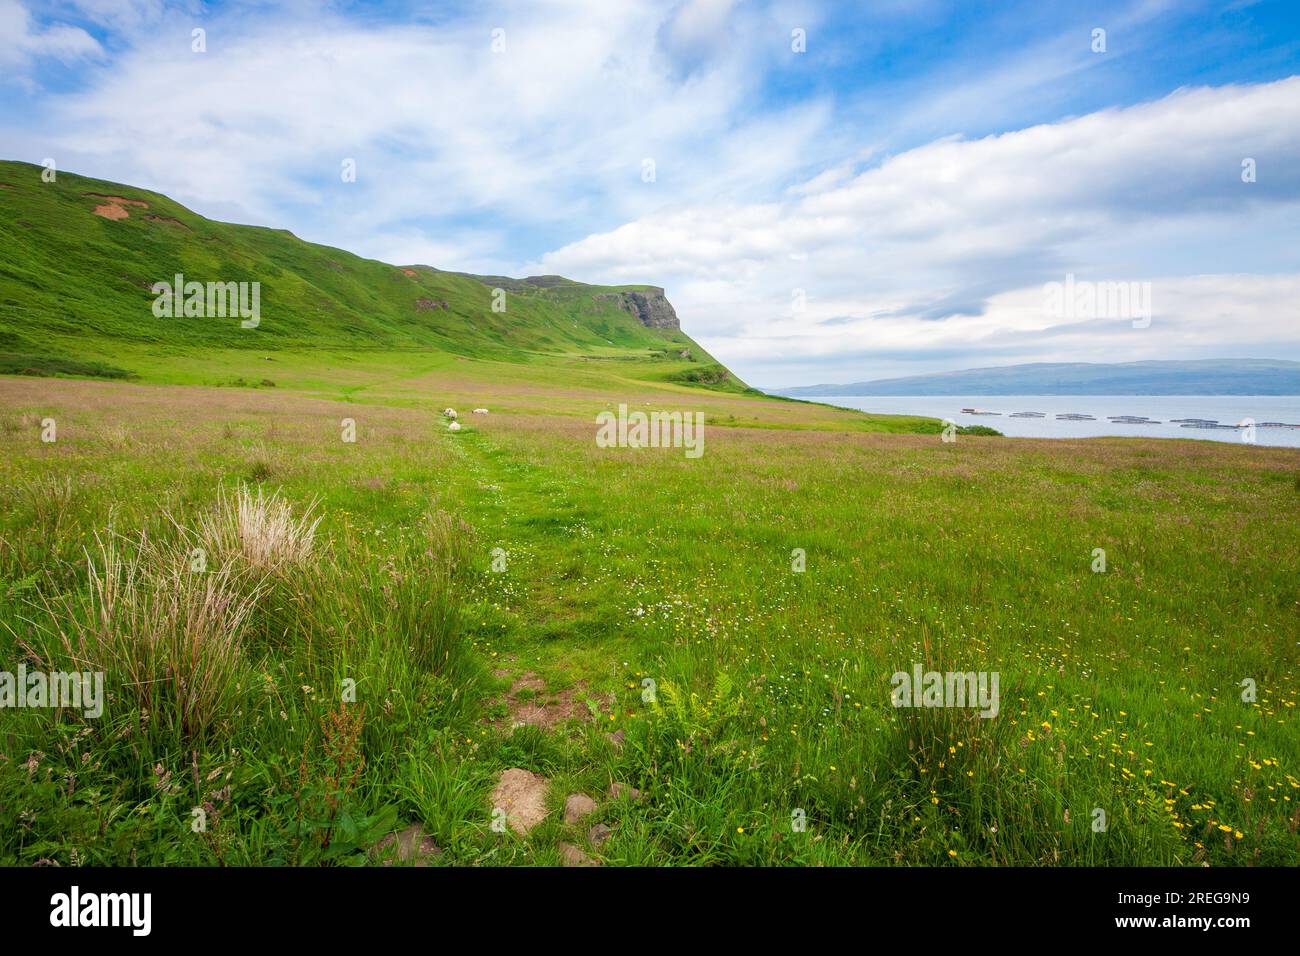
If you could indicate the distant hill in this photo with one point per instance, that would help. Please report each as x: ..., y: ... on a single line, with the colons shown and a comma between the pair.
x: 1203, y: 377
x: 79, y: 259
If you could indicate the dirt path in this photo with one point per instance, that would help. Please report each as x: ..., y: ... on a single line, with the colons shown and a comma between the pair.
x: 533, y: 532
x: 552, y: 674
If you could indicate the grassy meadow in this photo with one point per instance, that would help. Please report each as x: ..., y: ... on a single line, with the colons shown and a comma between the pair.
x: 380, y: 628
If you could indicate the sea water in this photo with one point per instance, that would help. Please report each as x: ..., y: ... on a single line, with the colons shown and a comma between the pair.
x: 1225, y: 409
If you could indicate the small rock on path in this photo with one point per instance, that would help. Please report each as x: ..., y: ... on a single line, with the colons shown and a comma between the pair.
x: 578, y: 806
x: 412, y: 845
x: 617, y: 790
x: 570, y: 855
x: 522, y: 795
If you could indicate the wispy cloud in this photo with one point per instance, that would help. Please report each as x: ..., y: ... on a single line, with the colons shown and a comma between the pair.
x: 23, y: 41
x: 553, y: 125
x: 923, y: 246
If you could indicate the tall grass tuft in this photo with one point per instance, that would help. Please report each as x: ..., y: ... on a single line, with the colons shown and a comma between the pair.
x: 261, y: 464
x: 259, y: 529
x: 46, y: 514
x: 391, y: 604
x: 168, y: 637
x: 168, y: 628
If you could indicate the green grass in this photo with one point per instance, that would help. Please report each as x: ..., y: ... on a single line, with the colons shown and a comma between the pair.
x: 1119, y: 690
x: 357, y: 664
x: 17, y: 363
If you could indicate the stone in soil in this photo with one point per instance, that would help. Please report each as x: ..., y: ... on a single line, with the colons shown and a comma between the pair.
x: 578, y: 806
x: 522, y: 795
x: 412, y: 845
x: 570, y: 855
x: 617, y: 790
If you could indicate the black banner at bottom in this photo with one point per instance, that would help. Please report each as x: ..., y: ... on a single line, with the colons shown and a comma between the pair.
x: 335, y: 906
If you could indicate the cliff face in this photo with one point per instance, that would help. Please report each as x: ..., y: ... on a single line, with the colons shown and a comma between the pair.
x: 650, y: 306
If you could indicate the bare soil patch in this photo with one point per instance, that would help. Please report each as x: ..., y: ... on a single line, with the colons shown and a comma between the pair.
x: 115, y: 206
x: 168, y: 220
x: 530, y: 704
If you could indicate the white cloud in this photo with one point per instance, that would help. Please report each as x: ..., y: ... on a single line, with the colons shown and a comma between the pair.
x: 924, y: 247
x: 553, y: 129
x: 22, y: 41
x: 1229, y: 315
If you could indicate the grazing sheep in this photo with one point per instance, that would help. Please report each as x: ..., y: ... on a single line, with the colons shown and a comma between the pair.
x: 450, y: 413
x: 480, y: 411
x: 454, y: 427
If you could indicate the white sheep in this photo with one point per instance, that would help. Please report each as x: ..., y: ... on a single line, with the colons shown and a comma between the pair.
x: 454, y: 427
x: 450, y: 413
x: 480, y: 411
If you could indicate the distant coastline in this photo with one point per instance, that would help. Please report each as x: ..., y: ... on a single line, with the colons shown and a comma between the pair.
x: 1202, y: 377
x: 1246, y: 419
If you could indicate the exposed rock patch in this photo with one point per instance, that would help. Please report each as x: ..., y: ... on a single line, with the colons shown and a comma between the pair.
x: 114, y: 207
x: 111, y: 210
x: 412, y: 846
x: 651, y: 308
x: 577, y: 806
x: 618, y: 791
x: 522, y: 795
x: 570, y: 855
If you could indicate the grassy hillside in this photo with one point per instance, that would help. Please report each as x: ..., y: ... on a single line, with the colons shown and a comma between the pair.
x: 75, y: 295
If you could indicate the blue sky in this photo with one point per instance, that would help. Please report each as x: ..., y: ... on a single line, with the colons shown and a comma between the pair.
x: 890, y: 201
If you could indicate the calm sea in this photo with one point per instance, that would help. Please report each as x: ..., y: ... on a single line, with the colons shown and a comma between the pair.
x: 1225, y: 409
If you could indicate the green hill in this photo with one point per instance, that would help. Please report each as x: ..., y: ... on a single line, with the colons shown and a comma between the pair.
x: 79, y: 258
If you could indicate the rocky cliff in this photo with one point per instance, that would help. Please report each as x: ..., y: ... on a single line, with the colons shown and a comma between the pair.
x: 650, y: 307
